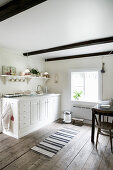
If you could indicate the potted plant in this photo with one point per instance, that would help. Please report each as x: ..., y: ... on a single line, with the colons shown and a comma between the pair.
x: 77, y: 95
x: 34, y: 72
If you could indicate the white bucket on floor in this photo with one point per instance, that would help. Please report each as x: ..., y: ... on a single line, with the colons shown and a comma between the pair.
x: 67, y: 117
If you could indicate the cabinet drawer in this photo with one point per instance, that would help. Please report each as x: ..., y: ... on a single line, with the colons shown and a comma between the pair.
x: 25, y: 122
x: 24, y: 108
x: 24, y: 125
x: 24, y: 117
x: 24, y: 103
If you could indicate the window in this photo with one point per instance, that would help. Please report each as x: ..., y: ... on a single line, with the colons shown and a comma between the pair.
x: 85, y: 86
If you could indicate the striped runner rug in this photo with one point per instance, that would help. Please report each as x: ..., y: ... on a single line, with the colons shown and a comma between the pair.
x: 51, y: 145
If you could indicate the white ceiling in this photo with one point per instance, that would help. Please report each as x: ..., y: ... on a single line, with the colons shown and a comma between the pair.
x: 59, y: 22
x: 77, y: 51
x: 3, y: 2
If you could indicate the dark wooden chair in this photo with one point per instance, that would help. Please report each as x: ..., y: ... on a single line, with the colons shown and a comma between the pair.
x: 104, y: 127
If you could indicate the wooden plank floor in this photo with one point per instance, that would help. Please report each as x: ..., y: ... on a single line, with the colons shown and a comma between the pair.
x: 78, y: 154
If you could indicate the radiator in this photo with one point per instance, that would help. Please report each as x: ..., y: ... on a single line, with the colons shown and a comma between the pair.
x: 82, y: 112
x: 85, y: 112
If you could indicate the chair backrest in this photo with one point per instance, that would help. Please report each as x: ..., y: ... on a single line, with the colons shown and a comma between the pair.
x: 105, y: 118
x: 101, y: 118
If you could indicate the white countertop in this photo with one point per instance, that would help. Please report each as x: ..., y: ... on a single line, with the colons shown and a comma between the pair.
x: 33, y: 96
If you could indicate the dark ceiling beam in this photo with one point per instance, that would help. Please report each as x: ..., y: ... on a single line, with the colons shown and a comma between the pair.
x: 16, y: 6
x: 71, y: 46
x: 79, y: 56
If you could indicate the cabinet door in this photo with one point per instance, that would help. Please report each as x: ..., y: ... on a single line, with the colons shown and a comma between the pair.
x: 49, y: 109
x: 43, y: 109
x: 55, y: 108
x: 34, y: 111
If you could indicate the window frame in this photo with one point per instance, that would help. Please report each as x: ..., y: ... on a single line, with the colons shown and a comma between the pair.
x: 100, y: 87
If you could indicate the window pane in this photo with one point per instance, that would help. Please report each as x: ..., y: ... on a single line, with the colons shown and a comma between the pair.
x: 87, y: 82
x: 77, y: 83
x: 78, y: 78
x: 91, y: 86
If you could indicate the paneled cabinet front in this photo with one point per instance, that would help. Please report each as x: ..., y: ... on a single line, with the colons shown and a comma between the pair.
x: 38, y: 111
x: 33, y: 113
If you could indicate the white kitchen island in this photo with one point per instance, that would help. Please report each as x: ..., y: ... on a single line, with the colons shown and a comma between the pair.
x: 32, y: 112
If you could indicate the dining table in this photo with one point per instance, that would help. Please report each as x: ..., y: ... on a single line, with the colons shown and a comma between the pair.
x: 99, y: 110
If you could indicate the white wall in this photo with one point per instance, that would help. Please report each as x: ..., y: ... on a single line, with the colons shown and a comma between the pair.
x: 61, y: 68
x: 15, y: 59
x: 12, y: 58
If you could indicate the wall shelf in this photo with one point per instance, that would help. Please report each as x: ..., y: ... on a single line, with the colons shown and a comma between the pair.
x: 17, y: 78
